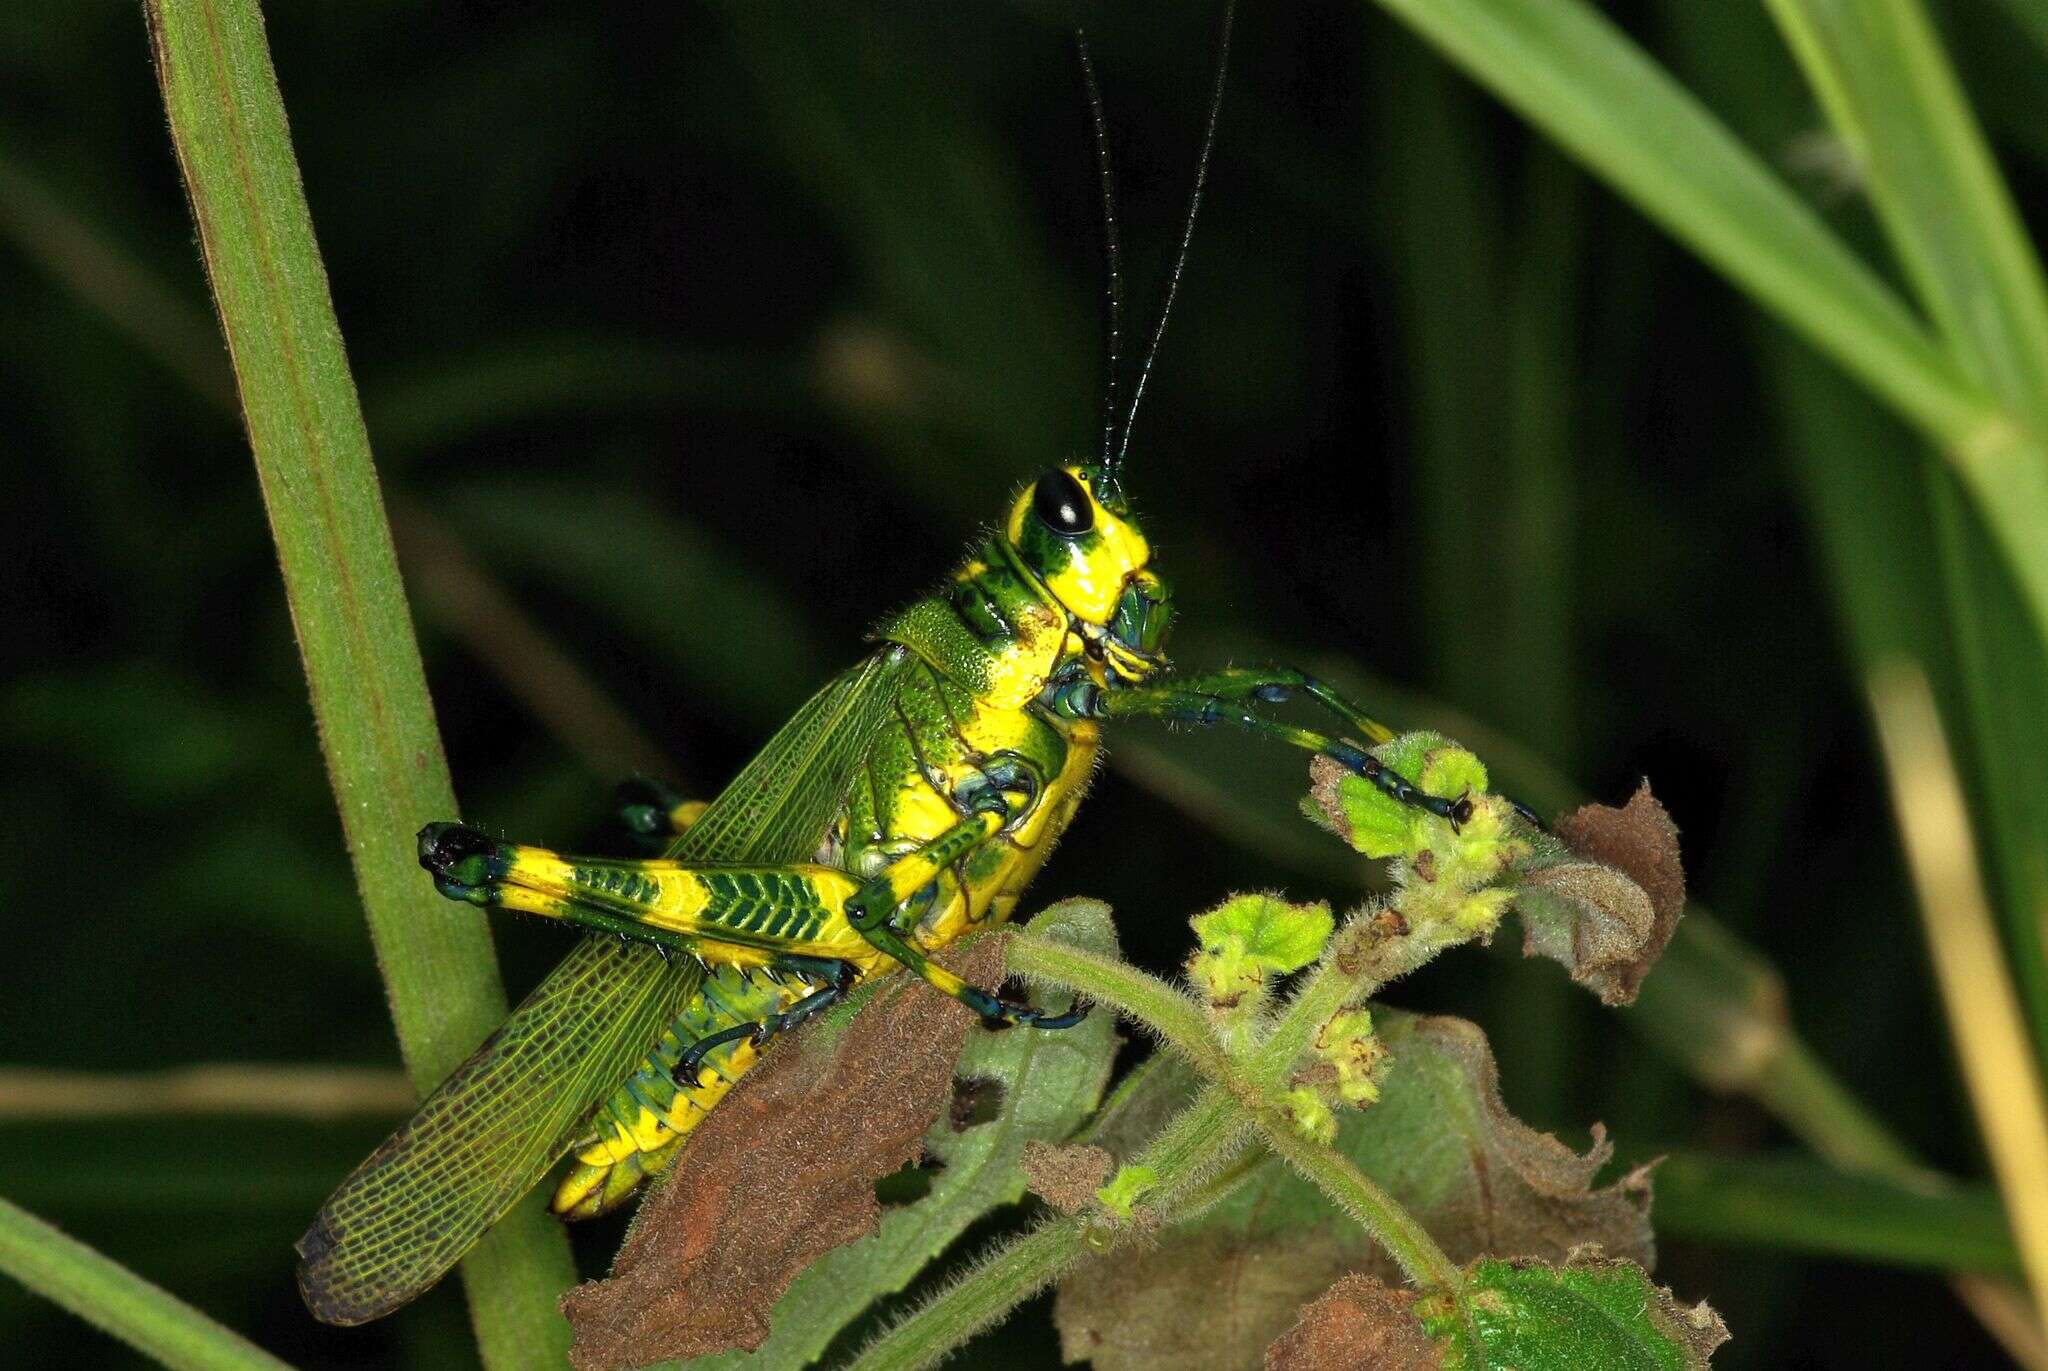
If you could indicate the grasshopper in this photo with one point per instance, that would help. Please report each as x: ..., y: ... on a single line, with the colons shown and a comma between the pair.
x: 910, y: 802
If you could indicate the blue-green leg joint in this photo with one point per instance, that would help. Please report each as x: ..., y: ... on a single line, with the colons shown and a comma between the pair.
x: 645, y: 808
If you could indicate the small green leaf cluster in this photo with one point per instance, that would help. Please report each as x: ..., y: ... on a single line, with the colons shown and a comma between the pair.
x: 1277, y: 1078
x: 1452, y: 882
x: 1242, y: 946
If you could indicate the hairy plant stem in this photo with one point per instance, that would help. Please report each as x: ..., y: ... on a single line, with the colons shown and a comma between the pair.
x: 1200, y: 1139
x: 1146, y: 999
x: 1192, y: 1155
x: 1349, y: 974
x: 1014, y: 1273
x: 1358, y: 1195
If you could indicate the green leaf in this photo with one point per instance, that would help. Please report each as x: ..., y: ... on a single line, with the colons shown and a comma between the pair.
x: 1271, y: 934
x: 1567, y: 69
x: 1050, y: 1083
x: 1451, y: 771
x: 1125, y: 1188
x: 1888, y: 89
x: 1375, y: 823
x: 1591, y: 1311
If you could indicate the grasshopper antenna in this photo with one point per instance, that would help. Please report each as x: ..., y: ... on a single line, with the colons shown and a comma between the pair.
x: 1113, y: 253
x: 1187, y: 234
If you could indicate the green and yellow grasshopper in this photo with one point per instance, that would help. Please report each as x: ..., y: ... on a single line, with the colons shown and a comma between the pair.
x: 909, y: 802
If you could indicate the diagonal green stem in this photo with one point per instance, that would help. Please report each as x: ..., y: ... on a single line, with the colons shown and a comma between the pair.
x: 1358, y: 1195
x: 1201, y: 1138
x: 1143, y: 998
x: 117, y: 1301
x: 1016, y: 1272
x: 1187, y: 1148
x: 320, y: 489
x: 1185, y: 1157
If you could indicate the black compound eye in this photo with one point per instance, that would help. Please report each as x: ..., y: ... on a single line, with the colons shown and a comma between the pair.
x: 1062, y: 505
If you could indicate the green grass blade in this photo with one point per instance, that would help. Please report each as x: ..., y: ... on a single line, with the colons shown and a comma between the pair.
x: 1570, y: 72
x: 116, y: 1300
x: 1566, y: 69
x: 1803, y: 1205
x: 2031, y: 17
x: 320, y: 489
x: 1887, y: 87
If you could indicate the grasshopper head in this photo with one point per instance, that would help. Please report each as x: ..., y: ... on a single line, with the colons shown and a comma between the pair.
x: 1072, y: 529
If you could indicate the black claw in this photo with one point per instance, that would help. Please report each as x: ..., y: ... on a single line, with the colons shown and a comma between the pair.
x: 1051, y: 1022
x: 459, y: 858
x: 1461, y: 811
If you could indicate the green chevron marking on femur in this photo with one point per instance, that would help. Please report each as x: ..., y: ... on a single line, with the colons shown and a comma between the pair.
x: 620, y: 881
x: 772, y: 904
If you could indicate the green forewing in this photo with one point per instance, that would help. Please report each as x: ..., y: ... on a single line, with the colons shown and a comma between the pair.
x: 490, y: 1131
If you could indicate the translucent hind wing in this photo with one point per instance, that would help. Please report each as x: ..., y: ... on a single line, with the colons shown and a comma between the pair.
x: 489, y: 1132
x: 779, y: 806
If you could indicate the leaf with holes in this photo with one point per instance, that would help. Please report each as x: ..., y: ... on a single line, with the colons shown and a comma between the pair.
x: 1589, y: 1310
x: 1440, y: 1140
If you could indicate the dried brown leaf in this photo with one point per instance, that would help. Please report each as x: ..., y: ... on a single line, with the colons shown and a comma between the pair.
x: 1356, y: 1324
x: 1066, y: 1177
x: 1639, y: 838
x: 783, y: 1171
x: 1607, y: 917
x: 1483, y: 1182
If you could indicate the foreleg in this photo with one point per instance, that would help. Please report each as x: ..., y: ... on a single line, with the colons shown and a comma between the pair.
x: 1223, y: 698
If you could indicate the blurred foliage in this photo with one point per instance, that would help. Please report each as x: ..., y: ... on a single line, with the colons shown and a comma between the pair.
x: 714, y: 331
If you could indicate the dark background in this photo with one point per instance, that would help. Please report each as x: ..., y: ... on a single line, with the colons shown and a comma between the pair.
x: 709, y: 334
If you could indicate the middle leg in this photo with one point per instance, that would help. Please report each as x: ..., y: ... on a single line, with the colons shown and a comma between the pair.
x: 875, y: 909
x: 843, y: 976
